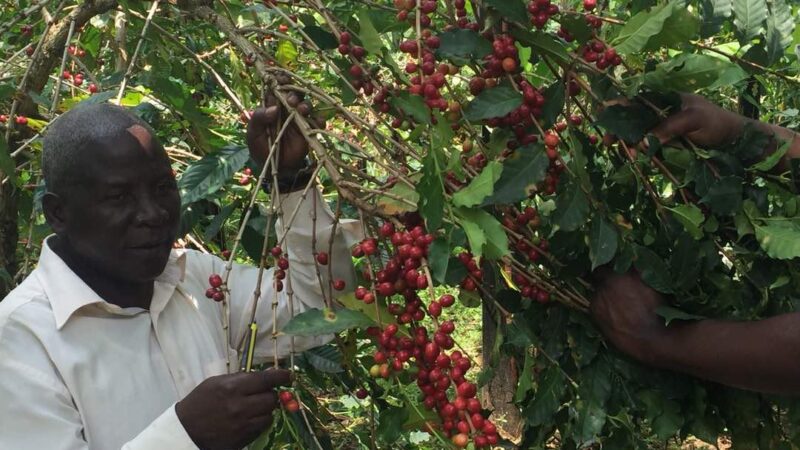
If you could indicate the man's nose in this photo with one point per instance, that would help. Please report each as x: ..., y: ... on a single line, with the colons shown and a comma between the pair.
x: 151, y: 211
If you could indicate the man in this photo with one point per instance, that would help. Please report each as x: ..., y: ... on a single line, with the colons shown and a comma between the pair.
x: 762, y: 355
x: 111, y: 343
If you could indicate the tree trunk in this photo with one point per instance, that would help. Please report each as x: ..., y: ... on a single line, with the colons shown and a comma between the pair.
x: 498, y: 394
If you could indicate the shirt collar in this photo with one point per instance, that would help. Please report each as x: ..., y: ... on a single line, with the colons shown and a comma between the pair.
x: 68, y: 293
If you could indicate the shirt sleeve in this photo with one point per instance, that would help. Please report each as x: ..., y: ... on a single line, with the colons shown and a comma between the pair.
x: 37, y: 410
x: 306, y: 284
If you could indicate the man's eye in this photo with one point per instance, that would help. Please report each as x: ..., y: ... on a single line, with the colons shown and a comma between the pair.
x: 117, y: 196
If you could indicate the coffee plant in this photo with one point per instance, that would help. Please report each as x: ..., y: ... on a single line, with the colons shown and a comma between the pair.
x: 492, y: 152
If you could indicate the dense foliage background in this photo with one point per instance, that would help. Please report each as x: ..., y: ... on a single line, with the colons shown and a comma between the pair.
x: 487, y: 124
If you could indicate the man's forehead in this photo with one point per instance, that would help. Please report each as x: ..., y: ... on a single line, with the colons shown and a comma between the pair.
x: 143, y: 136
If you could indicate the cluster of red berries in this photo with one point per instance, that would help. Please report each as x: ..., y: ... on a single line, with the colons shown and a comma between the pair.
x: 427, y: 76
x: 437, y: 371
x: 346, y: 47
x: 597, y: 52
x: 564, y: 34
x: 247, y: 176
x: 474, y: 273
x: 503, y: 59
x: 541, y: 11
x: 73, y: 50
x: 26, y: 30
x: 281, y: 264
x: 215, y: 292
x: 77, y: 78
x: 522, y: 118
x: 19, y: 120
x: 406, y: 11
x: 461, y: 16
x: 289, y: 403
x: 530, y: 290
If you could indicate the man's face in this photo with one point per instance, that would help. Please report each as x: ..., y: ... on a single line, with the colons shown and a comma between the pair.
x: 123, y: 217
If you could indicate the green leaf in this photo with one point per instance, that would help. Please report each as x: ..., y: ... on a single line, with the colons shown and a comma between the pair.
x: 390, y: 423
x: 439, y: 258
x: 577, y: 26
x: 379, y: 313
x: 603, y: 241
x: 286, y: 53
x: 480, y: 187
x: 593, y: 393
x: 495, y: 102
x: 629, y: 123
x: 722, y: 8
x: 316, y: 322
x: 750, y: 16
x: 522, y: 171
x: 780, y: 239
x: 679, y: 28
x: 431, y: 190
x: 653, y: 270
x: 555, y: 95
x: 413, y: 105
x: 690, y: 72
x: 205, y: 177
x: 691, y: 217
x: 670, y: 313
x: 543, y: 44
x: 546, y: 398
x: 525, y: 379
x: 326, y: 358
x: 724, y: 197
x: 510, y: 9
x: 369, y: 36
x: 484, y: 232
x: 773, y: 159
x: 572, y: 209
x: 780, y: 26
x: 394, y: 206
x: 664, y: 414
x: 219, y: 219
x: 462, y: 45
x: 324, y: 39
x: 7, y: 166
x: 639, y: 29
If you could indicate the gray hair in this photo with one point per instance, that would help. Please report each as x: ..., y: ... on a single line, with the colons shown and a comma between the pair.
x: 77, y: 130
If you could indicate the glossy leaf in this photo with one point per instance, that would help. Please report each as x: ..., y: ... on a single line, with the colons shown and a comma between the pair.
x: 494, y: 102
x: 369, y: 36
x: 522, y: 171
x: 326, y: 358
x: 691, y: 217
x: 639, y: 29
x: 750, y: 16
x: 480, y: 187
x: 205, y: 177
x: 547, y: 396
x: 317, y: 322
x: 603, y: 241
x: 780, y: 239
x: 572, y: 209
x: 690, y: 72
x: 461, y: 45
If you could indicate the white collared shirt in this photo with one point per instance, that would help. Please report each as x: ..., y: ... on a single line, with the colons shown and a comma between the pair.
x: 77, y: 372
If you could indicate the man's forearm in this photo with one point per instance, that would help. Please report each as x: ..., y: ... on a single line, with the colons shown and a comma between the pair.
x: 761, y: 356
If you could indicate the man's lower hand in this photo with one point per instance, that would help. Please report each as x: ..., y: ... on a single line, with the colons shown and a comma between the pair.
x: 229, y: 411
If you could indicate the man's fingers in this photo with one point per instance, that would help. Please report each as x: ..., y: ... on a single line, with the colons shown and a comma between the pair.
x: 262, y: 118
x: 676, y: 125
x: 277, y: 377
x: 260, y: 404
x: 252, y: 383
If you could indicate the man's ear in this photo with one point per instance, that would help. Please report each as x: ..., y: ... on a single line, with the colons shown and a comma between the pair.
x: 54, y: 212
